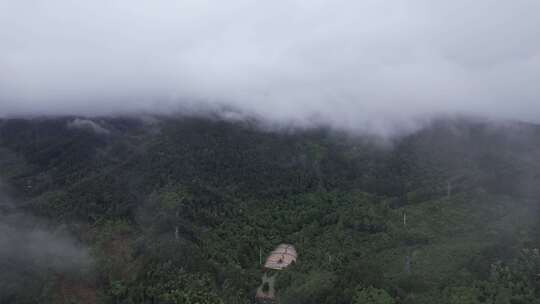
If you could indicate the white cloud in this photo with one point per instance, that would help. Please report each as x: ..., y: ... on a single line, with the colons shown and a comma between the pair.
x: 354, y: 64
x: 87, y: 124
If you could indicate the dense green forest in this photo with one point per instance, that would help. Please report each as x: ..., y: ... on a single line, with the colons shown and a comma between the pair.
x: 178, y: 209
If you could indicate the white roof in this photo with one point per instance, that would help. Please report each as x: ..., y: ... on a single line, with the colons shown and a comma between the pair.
x: 281, y: 257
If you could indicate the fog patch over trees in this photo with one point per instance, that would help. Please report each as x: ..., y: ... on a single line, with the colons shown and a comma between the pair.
x: 32, y: 251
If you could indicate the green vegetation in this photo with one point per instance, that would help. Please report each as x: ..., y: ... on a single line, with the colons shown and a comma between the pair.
x: 178, y: 212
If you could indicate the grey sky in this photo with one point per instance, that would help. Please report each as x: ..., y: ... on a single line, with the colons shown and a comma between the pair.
x: 365, y: 63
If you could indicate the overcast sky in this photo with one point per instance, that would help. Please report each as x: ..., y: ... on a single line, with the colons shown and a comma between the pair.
x: 352, y: 63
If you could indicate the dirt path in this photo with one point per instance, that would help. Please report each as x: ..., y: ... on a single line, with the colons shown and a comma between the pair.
x: 270, y: 293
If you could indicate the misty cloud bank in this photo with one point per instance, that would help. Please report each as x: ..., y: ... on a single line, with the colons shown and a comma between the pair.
x: 353, y: 64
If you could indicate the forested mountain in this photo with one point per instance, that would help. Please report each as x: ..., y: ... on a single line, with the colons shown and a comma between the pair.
x: 178, y: 210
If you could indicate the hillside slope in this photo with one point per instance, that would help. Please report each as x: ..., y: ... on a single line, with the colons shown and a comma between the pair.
x: 177, y: 210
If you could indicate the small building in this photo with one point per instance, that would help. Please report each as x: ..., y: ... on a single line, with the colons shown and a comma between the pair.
x: 283, y: 256
x: 280, y: 258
